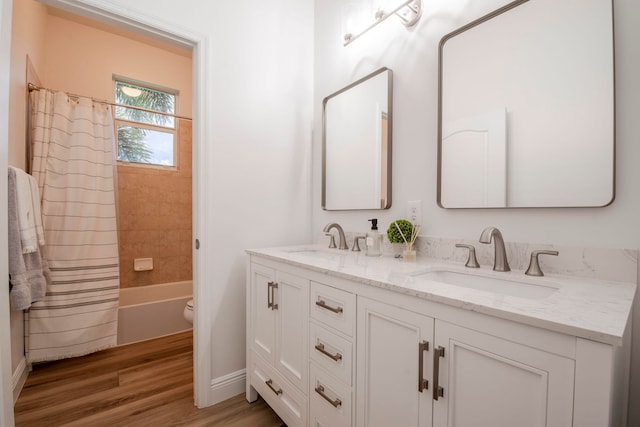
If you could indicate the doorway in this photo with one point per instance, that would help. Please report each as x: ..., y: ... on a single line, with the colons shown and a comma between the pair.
x: 132, y: 23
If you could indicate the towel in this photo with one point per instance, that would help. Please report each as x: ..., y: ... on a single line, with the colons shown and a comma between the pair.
x: 37, y: 214
x: 29, y: 217
x: 29, y: 273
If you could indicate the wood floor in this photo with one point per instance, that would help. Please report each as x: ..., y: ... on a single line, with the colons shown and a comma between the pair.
x: 142, y: 384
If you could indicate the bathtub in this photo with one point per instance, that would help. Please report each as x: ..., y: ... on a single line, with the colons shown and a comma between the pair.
x: 152, y: 311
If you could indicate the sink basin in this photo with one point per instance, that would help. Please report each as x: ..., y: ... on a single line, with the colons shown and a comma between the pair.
x: 315, y: 253
x: 301, y: 251
x: 496, y: 285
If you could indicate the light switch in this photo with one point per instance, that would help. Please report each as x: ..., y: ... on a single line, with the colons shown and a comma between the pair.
x: 414, y: 211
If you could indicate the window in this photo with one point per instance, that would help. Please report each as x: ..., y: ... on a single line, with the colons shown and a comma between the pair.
x: 147, y: 133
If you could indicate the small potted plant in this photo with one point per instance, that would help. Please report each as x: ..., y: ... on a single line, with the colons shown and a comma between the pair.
x: 403, y: 231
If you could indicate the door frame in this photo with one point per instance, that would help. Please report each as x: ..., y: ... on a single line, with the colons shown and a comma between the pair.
x: 6, y: 389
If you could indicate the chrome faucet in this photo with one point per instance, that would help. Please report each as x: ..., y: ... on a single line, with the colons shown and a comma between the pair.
x: 343, y: 240
x: 500, y: 262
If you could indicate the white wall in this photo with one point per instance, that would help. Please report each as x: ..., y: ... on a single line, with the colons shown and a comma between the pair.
x: 413, y: 56
x: 262, y: 109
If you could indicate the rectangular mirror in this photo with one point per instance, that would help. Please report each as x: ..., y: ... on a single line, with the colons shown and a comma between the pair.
x: 356, y: 144
x: 526, y: 108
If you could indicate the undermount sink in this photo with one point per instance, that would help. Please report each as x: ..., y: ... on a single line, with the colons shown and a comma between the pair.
x: 315, y: 253
x: 301, y: 251
x: 496, y: 285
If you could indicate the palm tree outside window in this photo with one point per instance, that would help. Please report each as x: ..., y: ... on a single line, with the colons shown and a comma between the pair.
x: 148, y: 136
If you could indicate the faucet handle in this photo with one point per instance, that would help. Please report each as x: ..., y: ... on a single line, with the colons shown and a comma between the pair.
x: 356, y: 246
x: 472, y: 261
x: 332, y: 242
x: 534, y: 264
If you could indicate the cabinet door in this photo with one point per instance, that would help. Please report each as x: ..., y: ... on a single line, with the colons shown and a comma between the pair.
x: 291, y: 298
x: 488, y: 381
x: 263, y: 325
x: 389, y: 351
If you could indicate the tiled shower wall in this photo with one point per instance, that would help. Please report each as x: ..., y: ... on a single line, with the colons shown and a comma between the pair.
x: 154, y: 219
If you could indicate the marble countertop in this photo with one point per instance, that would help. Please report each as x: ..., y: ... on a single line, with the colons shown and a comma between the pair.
x: 588, y: 308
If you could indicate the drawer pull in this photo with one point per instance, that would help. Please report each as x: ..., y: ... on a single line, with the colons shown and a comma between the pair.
x: 323, y: 304
x: 277, y: 391
x: 336, y: 403
x: 335, y: 357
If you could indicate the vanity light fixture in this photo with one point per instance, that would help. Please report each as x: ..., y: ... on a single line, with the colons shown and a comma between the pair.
x: 408, y: 11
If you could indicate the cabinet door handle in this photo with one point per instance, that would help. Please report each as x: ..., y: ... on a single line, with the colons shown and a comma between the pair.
x: 422, y: 383
x: 270, y: 295
x: 437, y: 390
x: 274, y: 306
x: 323, y: 304
x: 320, y: 390
x: 277, y: 391
x: 335, y: 357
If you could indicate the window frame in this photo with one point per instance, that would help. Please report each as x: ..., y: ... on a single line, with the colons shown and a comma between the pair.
x: 149, y: 126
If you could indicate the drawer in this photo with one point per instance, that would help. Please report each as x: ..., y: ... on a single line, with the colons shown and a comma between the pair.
x: 330, y: 402
x: 282, y: 397
x: 333, y: 307
x: 333, y: 353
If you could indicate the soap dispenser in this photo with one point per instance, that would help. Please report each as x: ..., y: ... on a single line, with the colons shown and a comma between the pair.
x: 374, y: 240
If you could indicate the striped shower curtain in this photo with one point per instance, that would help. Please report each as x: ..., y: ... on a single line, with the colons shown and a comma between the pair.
x: 73, y: 162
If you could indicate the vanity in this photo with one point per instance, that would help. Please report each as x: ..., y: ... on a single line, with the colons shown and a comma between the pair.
x: 335, y: 338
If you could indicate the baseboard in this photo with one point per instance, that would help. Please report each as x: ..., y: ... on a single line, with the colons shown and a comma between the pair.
x: 19, y: 378
x: 227, y: 386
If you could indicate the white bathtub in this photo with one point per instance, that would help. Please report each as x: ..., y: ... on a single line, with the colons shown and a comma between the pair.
x: 153, y: 311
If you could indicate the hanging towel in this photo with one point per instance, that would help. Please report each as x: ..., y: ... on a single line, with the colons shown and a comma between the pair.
x: 29, y: 272
x: 29, y: 217
x: 37, y: 214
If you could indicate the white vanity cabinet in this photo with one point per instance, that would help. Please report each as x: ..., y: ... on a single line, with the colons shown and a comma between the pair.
x: 417, y: 371
x: 346, y: 351
x: 277, y: 334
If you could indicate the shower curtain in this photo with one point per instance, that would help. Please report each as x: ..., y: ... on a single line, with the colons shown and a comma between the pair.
x: 73, y: 162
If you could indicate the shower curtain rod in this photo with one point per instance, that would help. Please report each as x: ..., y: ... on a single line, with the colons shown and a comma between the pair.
x: 102, y: 101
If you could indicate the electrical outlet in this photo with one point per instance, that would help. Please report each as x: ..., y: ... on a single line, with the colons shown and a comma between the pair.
x: 414, y: 211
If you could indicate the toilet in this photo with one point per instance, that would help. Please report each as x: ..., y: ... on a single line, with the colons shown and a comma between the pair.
x: 188, y: 312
